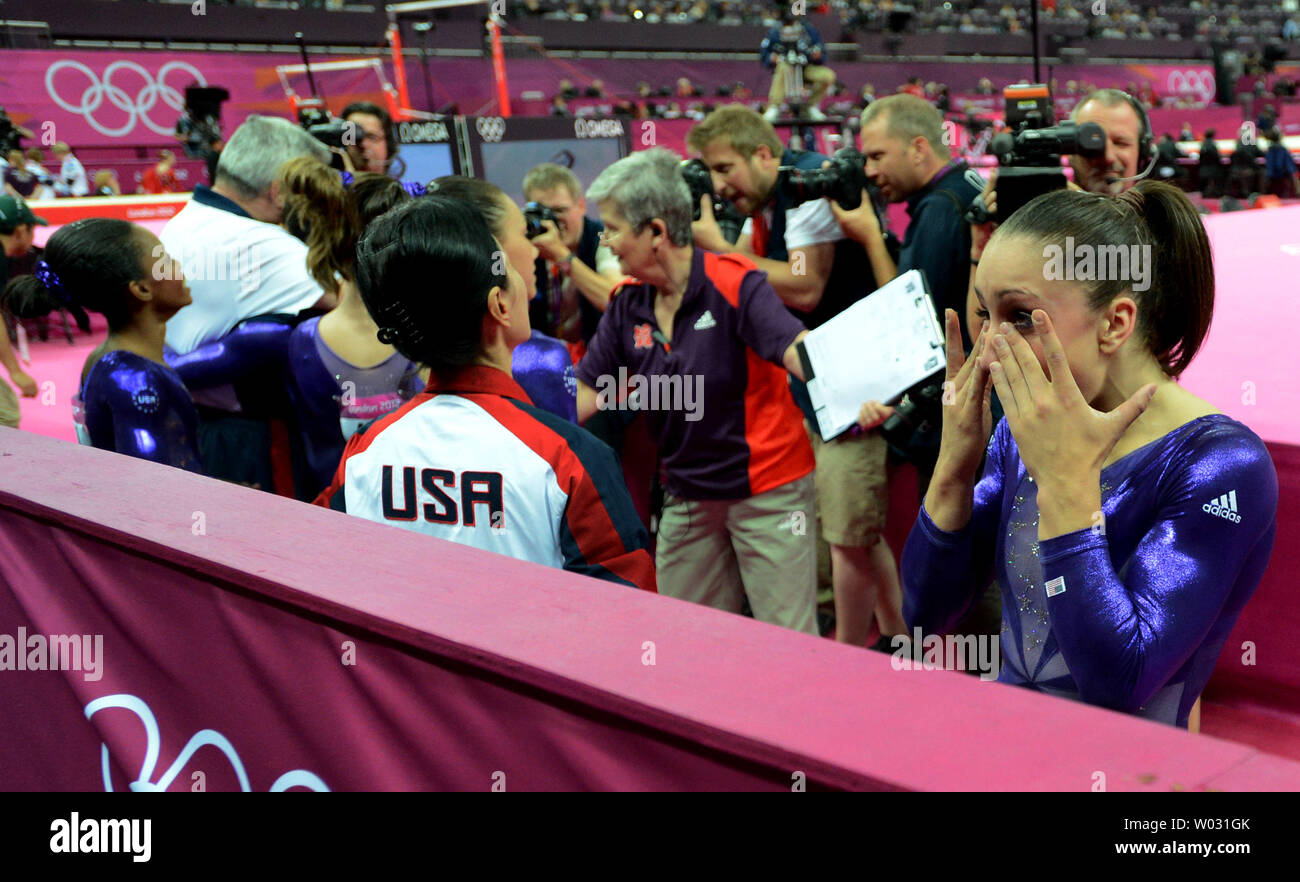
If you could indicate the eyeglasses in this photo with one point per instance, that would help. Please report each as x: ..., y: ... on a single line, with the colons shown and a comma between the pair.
x: 605, y: 237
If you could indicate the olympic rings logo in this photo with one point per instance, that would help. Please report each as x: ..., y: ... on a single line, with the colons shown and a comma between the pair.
x: 93, y: 97
x: 490, y: 128
x: 1198, y: 82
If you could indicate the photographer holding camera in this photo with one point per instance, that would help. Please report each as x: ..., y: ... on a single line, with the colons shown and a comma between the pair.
x: 792, y: 235
x: 372, y: 143
x: 570, y: 244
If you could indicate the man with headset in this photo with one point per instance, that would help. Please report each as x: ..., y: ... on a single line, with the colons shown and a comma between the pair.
x: 1130, y: 156
x: 374, y: 146
x: 1130, y: 148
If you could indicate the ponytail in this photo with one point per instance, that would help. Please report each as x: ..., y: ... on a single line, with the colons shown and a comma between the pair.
x: 1181, y: 302
x: 317, y: 211
x: 88, y: 265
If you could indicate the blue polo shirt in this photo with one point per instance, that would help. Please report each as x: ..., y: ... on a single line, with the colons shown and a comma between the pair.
x: 716, y: 397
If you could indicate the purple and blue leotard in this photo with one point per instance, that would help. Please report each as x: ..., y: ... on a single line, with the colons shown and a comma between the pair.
x: 1140, y: 607
x: 132, y: 405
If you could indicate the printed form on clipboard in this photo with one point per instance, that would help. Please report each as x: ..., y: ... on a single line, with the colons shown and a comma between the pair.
x: 875, y: 350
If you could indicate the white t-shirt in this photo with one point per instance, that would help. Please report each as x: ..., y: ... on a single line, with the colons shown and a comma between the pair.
x: 236, y: 268
x: 812, y: 223
x: 72, y: 177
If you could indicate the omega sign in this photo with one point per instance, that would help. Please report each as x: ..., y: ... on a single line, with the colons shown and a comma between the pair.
x: 422, y: 132
x: 598, y: 128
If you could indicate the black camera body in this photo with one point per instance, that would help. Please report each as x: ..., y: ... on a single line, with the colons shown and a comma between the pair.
x: 1029, y: 156
x: 535, y: 215
x: 700, y: 182
x: 844, y: 180
x: 921, y: 407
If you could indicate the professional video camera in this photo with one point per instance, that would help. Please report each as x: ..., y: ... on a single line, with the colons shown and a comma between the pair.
x: 1029, y: 156
x: 844, y: 180
x: 322, y: 126
x: 697, y: 177
x: 536, y: 214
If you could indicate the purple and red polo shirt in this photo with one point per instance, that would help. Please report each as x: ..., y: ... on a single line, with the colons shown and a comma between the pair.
x: 744, y: 435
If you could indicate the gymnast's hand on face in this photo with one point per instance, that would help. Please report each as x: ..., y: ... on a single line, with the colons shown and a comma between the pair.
x: 967, y: 419
x: 1062, y: 440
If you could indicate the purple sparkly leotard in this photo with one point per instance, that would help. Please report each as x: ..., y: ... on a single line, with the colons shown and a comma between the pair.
x: 543, y: 367
x: 1150, y: 593
x: 141, y: 408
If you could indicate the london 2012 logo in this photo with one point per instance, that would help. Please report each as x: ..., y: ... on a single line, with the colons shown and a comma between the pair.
x: 203, y: 738
x: 83, y: 92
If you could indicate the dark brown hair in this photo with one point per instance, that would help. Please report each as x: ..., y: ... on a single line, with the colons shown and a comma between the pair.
x: 1174, y: 312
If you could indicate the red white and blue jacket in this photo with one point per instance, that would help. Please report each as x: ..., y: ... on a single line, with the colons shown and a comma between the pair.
x: 471, y: 460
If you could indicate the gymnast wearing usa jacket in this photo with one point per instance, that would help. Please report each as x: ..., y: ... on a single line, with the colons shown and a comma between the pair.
x: 1129, y: 520
x: 471, y: 459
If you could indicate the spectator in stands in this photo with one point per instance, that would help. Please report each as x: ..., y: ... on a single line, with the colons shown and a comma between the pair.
x: 72, y: 174
x: 132, y: 402
x: 912, y: 87
x: 559, y: 107
x: 106, y: 183
x: 596, y: 89
x: 866, y: 95
x: 1166, y: 581
x: 161, y: 176
x: 794, y: 42
x: 1167, y: 156
x: 818, y: 273
x: 1185, y: 133
x: 1280, y: 166
x: 1243, y: 169
x: 240, y: 264
x: 525, y: 482
x: 18, y: 178
x: 567, y: 90
x: 686, y: 89
x: 374, y: 148
x: 985, y: 87
x: 1210, y: 167
x: 712, y: 327
x: 573, y: 250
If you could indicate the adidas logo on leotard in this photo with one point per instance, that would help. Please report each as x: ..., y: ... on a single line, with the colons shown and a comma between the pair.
x: 1224, y: 506
x: 706, y: 321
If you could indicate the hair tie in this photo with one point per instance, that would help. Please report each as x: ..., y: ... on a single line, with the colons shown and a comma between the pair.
x: 387, y: 336
x: 50, y: 279
x: 346, y: 177
x: 414, y: 188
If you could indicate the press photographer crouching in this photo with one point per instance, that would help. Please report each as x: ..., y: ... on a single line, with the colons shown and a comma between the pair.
x: 793, y: 236
x: 705, y: 343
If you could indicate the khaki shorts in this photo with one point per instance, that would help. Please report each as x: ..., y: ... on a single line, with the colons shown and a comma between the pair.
x: 8, y: 403
x: 852, y: 488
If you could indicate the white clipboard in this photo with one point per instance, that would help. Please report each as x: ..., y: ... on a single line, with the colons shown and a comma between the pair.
x: 875, y: 350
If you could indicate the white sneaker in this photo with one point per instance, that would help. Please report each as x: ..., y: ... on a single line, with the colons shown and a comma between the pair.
x: 770, y: 114
x: 815, y: 114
